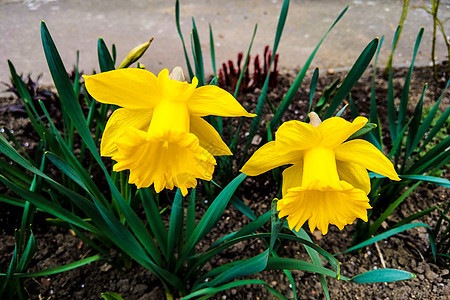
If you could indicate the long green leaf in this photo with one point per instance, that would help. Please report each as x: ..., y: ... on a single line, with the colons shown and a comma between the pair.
x: 315, y: 258
x: 352, y: 77
x: 154, y: 219
x: 413, y: 140
x: 374, y: 227
x: 392, y: 113
x: 383, y: 275
x: 177, y: 22
x: 60, y: 269
x: 281, y: 263
x: 391, y: 233
x: 247, y: 267
x: 245, y: 66
x: 175, y: 224
x: 214, y: 290
x: 212, y: 215
x: 299, y: 79
x: 198, y: 57
x: 405, y: 91
x: 373, y: 103
x: 104, y: 57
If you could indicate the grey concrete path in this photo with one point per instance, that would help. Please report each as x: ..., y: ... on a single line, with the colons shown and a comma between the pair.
x: 77, y: 24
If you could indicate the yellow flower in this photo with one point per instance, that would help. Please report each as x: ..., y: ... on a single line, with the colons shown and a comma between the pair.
x: 328, y: 181
x: 159, y: 133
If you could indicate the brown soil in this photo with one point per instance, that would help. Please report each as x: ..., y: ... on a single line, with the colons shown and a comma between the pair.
x: 407, y: 251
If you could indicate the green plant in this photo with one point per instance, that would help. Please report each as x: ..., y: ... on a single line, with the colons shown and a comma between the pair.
x: 409, y: 137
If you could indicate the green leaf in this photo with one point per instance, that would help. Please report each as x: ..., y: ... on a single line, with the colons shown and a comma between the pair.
x: 177, y: 22
x: 60, y: 269
x: 312, y: 88
x: 405, y: 91
x: 429, y: 119
x: 352, y: 77
x: 211, y: 48
x: 383, y: 275
x: 250, y: 266
x: 413, y: 139
x: 154, y: 219
x: 104, y: 57
x: 245, y: 66
x: 299, y: 79
x: 175, y: 224
x: 214, y: 290
x: 190, y: 215
x: 431, y: 179
x: 9, y: 273
x: 198, y: 57
x: 374, y: 227
x: 242, y: 207
x: 111, y: 296
x: 281, y: 263
x: 373, y: 103
x: 212, y: 215
x: 391, y: 233
x: 366, y: 129
x: 392, y: 118
x: 315, y: 258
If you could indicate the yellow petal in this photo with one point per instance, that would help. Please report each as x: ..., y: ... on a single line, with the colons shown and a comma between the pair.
x: 169, y: 120
x: 296, y: 135
x: 366, y: 155
x: 319, y: 169
x: 266, y: 158
x: 209, y: 138
x: 354, y: 174
x: 117, y: 124
x: 161, y: 163
x: 129, y: 88
x: 212, y: 100
x: 321, y: 208
x: 336, y: 130
x: 173, y: 90
x: 292, y: 177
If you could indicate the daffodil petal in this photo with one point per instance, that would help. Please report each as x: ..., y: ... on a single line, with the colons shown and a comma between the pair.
x: 336, y: 130
x: 209, y: 138
x: 266, y: 158
x: 173, y: 90
x: 292, y: 177
x: 366, y: 155
x: 354, y: 174
x: 161, y: 163
x: 118, y: 122
x: 130, y: 88
x: 323, y: 207
x: 212, y: 100
x: 296, y: 135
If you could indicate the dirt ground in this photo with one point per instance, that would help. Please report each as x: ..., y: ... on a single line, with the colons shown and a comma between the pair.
x: 408, y: 251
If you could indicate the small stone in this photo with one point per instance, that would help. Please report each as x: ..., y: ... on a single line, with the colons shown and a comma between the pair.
x: 140, y: 288
x: 256, y: 140
x: 431, y: 275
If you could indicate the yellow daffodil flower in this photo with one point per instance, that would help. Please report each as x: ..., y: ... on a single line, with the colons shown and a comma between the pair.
x: 159, y: 133
x: 328, y: 181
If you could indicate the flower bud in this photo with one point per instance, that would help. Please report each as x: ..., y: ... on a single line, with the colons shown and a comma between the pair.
x: 135, y: 54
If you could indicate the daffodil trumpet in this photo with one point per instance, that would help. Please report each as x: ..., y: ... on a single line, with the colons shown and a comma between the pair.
x: 327, y: 182
x: 158, y: 132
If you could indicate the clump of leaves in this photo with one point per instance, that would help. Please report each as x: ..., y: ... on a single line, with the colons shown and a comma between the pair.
x: 229, y: 74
